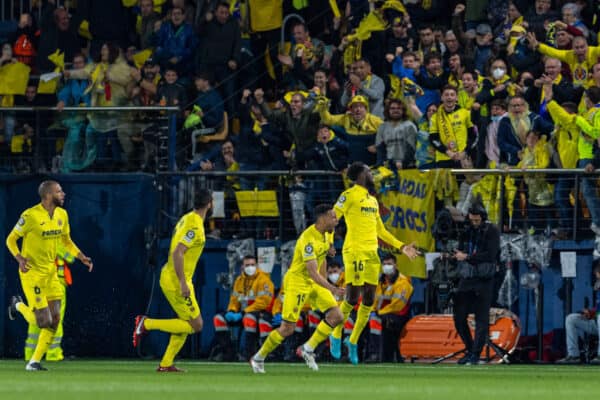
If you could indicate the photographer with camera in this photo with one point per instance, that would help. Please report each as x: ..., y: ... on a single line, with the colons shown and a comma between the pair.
x: 477, y: 259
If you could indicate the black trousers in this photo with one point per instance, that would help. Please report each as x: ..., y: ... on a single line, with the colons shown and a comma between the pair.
x: 477, y: 299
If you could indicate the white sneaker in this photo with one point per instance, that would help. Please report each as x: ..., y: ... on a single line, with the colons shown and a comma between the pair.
x: 595, y: 228
x: 309, y: 358
x: 258, y: 367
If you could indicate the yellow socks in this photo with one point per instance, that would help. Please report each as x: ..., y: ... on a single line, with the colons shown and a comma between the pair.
x: 174, y: 325
x: 346, y: 310
x: 43, y: 343
x: 27, y: 313
x: 362, y: 317
x: 271, y: 342
x: 321, y: 333
x: 175, y: 344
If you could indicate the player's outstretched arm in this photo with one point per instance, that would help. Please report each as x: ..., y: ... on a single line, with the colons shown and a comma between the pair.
x: 386, y: 236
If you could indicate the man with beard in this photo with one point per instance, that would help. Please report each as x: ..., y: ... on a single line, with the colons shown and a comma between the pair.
x: 42, y: 228
x: 512, y: 131
x: 303, y: 283
x: 361, y: 212
x: 186, y: 247
x: 451, y: 131
x: 396, y: 137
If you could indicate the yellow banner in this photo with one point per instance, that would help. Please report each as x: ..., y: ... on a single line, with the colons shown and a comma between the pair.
x: 14, y: 78
x: 409, y: 214
x: 257, y: 203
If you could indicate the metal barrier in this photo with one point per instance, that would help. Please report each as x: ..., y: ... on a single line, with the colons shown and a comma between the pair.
x: 297, y: 192
x: 147, y: 135
x: 286, y: 198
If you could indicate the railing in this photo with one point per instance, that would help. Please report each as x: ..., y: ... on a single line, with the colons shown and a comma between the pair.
x: 150, y: 130
x: 297, y: 192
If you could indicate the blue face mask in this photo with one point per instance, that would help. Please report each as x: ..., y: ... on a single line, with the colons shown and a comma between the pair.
x: 496, y: 118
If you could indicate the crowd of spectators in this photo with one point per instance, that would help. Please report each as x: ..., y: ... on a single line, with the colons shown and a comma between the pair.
x: 394, y: 84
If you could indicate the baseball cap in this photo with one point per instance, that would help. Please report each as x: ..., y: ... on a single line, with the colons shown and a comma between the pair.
x: 483, y: 29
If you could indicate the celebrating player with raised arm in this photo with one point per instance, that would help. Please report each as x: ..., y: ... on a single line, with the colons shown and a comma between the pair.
x: 304, y: 284
x: 361, y: 261
x: 42, y: 228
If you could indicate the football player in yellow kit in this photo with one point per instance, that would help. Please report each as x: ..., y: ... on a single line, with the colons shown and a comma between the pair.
x: 303, y: 283
x: 360, y: 209
x: 186, y: 247
x: 42, y: 228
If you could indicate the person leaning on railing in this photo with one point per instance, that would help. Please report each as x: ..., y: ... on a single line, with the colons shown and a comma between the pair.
x: 589, y: 131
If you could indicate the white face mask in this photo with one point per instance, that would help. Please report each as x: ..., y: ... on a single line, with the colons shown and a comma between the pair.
x: 334, y: 277
x: 388, y: 269
x: 250, y: 270
x: 498, y: 73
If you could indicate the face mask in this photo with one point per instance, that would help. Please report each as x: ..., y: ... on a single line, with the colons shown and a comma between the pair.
x: 496, y: 118
x: 388, y: 269
x: 250, y: 270
x: 498, y: 73
x: 334, y: 277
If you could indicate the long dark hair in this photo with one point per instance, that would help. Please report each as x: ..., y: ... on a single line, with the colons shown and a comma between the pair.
x: 113, y: 53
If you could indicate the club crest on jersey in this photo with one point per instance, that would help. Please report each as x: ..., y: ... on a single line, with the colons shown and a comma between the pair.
x: 308, y: 250
x: 341, y: 200
x: 59, y: 222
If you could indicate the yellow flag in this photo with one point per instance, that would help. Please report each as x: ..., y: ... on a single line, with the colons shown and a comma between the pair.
x: 335, y: 9
x: 371, y: 23
x: 14, y: 78
x: 257, y: 203
x: 408, y: 213
x: 84, y: 30
x: 140, y: 57
x: 58, y: 59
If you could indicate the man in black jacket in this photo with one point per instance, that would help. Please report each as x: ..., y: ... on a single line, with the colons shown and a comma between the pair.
x: 220, y: 53
x: 477, y: 257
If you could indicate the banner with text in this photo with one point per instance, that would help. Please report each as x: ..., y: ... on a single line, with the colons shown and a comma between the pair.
x: 409, y: 214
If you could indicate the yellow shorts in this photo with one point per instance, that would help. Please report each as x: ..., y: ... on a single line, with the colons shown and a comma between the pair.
x: 186, y: 308
x: 361, y: 267
x: 40, y: 288
x: 296, y: 296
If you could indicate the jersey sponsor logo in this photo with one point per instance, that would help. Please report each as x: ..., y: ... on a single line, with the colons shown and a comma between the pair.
x: 341, y: 201
x: 21, y: 221
x: 53, y: 232
x: 368, y: 210
x: 189, y: 236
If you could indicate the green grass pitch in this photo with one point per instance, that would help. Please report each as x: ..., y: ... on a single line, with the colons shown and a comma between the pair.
x: 133, y: 380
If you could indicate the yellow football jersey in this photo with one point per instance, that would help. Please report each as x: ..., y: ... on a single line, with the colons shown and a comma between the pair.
x: 311, y: 245
x: 361, y: 212
x: 41, y: 236
x: 189, y: 231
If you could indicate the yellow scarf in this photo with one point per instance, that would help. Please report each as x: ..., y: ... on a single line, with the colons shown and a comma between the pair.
x: 447, y: 134
x: 521, y: 126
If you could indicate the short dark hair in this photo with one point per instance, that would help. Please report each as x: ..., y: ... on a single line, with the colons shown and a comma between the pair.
x: 569, y: 106
x: 388, y: 256
x: 249, y: 257
x: 499, y: 103
x: 431, y: 56
x: 321, y: 210
x: 202, y: 198
x: 206, y: 75
x: 473, y: 73
x: 331, y: 263
x: 477, y: 208
x: 355, y: 169
x: 222, y: 4
x: 449, y: 87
